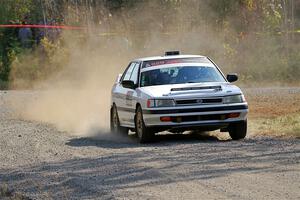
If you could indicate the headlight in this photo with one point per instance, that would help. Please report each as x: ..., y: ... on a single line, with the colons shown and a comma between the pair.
x: 234, y: 99
x: 151, y: 103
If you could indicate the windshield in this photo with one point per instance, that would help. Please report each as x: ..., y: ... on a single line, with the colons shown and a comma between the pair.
x: 177, y: 75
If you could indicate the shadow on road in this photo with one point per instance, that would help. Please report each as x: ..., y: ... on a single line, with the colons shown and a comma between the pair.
x: 130, y: 141
x: 175, y: 159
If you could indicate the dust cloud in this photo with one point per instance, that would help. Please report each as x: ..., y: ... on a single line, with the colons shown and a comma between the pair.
x: 76, y: 97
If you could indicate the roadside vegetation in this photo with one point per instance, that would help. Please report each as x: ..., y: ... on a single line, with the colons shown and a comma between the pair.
x: 256, y: 38
x: 282, y: 126
x: 274, y: 111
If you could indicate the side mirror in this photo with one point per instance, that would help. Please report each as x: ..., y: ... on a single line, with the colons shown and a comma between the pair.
x: 128, y: 84
x: 232, y: 77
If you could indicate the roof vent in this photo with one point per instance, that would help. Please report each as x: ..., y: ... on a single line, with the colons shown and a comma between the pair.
x: 172, y: 53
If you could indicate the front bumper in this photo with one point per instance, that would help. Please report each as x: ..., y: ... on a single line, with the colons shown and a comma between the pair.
x: 214, y: 116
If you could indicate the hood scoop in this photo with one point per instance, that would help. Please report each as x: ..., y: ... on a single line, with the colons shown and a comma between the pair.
x: 215, y: 88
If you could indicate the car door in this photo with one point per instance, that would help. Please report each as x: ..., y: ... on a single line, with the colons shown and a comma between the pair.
x: 128, y: 96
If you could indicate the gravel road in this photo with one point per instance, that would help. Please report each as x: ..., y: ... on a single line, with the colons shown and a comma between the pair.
x: 41, y: 162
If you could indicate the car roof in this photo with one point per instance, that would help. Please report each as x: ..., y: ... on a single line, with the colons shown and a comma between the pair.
x: 166, y: 57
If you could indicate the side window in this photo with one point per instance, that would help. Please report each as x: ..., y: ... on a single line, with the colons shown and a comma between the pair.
x: 135, y: 73
x: 128, y: 72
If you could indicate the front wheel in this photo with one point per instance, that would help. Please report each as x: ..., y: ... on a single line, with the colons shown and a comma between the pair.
x: 144, y: 135
x: 115, y: 126
x: 238, y: 130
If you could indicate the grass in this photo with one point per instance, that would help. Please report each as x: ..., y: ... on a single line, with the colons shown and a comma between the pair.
x: 274, y: 112
x: 286, y: 125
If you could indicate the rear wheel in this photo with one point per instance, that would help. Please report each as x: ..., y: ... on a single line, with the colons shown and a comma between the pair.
x: 238, y: 130
x: 144, y: 135
x: 115, y: 126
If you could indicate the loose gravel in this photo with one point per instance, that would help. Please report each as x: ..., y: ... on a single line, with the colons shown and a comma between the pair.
x: 41, y: 162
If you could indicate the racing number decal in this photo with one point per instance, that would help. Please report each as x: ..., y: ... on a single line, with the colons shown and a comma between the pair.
x: 129, y: 98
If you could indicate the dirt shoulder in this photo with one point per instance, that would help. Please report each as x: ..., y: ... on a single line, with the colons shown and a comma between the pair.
x: 273, y: 102
x: 274, y: 111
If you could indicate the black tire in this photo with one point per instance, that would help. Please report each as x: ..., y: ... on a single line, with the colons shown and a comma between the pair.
x: 144, y: 135
x: 115, y: 126
x: 238, y: 130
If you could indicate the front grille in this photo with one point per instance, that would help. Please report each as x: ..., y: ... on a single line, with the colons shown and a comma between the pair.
x: 199, y: 118
x: 183, y: 102
x: 198, y: 101
x: 212, y: 100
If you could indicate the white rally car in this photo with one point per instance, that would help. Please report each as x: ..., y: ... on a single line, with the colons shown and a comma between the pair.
x: 177, y: 93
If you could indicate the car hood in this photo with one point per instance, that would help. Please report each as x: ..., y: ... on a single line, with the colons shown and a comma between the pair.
x: 190, y: 90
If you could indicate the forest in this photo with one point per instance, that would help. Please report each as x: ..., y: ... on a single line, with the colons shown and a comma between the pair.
x: 259, y: 39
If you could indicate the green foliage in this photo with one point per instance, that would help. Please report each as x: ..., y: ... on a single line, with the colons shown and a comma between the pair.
x: 36, y: 65
x: 12, y: 12
x: 272, y: 18
x: 254, y: 36
x: 293, y: 68
x: 15, y: 10
x: 224, y: 8
x: 9, y: 48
